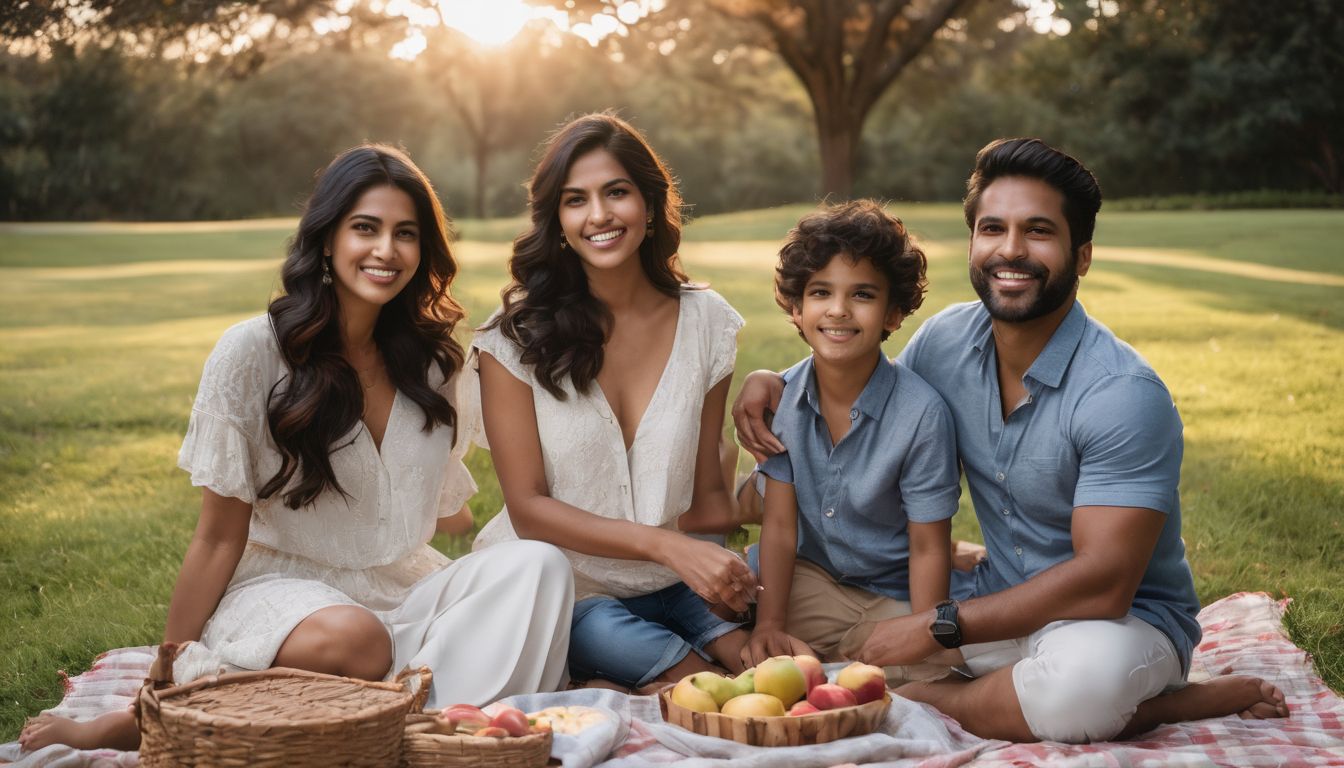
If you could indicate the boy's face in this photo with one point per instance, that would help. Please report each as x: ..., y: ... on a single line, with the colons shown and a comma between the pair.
x: 845, y: 311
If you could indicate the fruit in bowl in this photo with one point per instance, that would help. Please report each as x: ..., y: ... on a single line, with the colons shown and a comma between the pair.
x: 468, y: 720
x: 753, y: 705
x: 869, y: 683
x: 781, y: 677
x: 831, y: 696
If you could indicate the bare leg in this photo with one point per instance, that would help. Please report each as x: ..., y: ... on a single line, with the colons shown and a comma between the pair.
x: 339, y: 640
x: 727, y: 649
x: 1243, y: 695
x: 114, y: 730
x: 986, y: 706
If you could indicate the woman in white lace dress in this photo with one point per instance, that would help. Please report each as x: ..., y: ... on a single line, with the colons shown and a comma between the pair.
x: 327, y: 438
x: 603, y: 382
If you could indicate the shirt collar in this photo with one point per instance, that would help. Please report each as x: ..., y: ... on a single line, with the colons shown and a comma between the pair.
x: 1050, y: 365
x: 872, y: 400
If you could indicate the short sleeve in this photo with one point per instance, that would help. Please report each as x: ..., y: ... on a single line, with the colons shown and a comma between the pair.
x: 778, y: 467
x: 1129, y: 439
x: 504, y: 350
x: 724, y: 324
x: 930, y: 480
x: 223, y: 435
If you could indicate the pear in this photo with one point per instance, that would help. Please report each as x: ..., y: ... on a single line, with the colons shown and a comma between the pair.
x: 744, y: 683
x: 718, y: 686
x: 686, y: 695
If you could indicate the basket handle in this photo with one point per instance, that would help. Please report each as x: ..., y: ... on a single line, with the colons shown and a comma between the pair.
x: 418, y: 682
x: 161, y: 671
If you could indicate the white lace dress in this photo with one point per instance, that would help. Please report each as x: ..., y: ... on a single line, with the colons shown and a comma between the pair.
x: 500, y: 623
x: 584, y: 454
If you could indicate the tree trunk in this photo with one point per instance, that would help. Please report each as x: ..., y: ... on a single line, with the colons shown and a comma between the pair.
x: 481, y: 151
x: 838, y: 137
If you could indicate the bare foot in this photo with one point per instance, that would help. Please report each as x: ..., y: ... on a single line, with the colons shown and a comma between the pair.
x: 115, y: 730
x: 1242, y: 695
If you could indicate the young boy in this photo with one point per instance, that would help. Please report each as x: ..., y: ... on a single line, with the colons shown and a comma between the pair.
x: 857, y: 513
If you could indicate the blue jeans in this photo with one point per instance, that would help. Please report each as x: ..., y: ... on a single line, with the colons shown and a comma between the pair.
x: 631, y: 641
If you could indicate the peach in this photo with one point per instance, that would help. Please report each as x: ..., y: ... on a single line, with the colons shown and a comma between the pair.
x: 812, y: 671
x: 802, y: 708
x: 753, y: 705
x: 869, y: 683
x: 493, y: 731
x: 781, y: 677
x: 463, y: 717
x: 831, y: 696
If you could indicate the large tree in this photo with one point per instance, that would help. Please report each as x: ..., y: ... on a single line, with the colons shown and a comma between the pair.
x: 846, y: 54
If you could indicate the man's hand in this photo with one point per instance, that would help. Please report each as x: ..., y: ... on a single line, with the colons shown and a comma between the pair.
x: 900, y: 641
x: 761, y: 391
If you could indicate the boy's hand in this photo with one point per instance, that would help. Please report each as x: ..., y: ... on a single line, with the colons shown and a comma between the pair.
x: 967, y: 554
x: 761, y: 391
x: 766, y: 642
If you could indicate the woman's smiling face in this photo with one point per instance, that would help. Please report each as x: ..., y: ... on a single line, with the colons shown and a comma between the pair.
x: 375, y: 249
x: 602, y: 213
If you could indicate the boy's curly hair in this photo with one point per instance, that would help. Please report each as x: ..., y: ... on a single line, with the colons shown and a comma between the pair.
x: 860, y: 229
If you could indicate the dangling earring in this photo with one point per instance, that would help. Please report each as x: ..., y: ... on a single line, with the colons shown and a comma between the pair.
x: 326, y: 268
x: 564, y: 244
x: 648, y: 228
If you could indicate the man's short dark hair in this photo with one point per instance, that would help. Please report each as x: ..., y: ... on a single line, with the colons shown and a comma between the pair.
x: 860, y: 229
x: 1034, y: 159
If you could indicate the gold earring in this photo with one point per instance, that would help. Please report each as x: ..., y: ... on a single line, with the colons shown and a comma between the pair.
x: 326, y: 272
x: 648, y: 229
x: 564, y: 244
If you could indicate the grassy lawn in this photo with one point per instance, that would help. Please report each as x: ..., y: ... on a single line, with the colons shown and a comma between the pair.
x: 103, y: 331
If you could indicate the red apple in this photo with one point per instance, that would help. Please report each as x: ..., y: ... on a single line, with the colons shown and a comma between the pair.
x: 512, y: 720
x: 802, y: 708
x: 831, y: 696
x: 869, y: 683
x: 812, y: 671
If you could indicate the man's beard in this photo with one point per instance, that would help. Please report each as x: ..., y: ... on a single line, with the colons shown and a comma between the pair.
x: 1050, y: 294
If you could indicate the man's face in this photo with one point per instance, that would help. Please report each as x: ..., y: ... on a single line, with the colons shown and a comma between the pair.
x: 1020, y: 261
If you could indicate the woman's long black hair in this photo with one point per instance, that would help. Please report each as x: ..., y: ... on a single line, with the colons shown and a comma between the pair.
x: 321, y: 399
x: 548, y: 309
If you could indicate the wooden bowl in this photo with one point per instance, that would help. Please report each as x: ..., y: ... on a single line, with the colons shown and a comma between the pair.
x: 783, y: 731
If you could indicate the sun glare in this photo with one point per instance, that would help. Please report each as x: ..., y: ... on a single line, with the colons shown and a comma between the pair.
x: 489, y: 22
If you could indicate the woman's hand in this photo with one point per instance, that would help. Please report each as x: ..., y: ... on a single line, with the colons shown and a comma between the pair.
x: 712, y: 572
x: 761, y: 391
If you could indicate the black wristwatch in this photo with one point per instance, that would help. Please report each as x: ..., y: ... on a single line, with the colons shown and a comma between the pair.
x: 945, y: 627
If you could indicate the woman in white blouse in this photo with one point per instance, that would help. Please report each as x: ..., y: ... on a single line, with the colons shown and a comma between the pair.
x: 327, y: 437
x: 603, y: 383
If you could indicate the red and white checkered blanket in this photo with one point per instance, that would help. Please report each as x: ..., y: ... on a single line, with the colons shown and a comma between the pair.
x: 1243, y: 634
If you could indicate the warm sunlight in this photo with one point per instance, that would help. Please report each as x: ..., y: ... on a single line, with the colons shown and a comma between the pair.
x: 489, y: 22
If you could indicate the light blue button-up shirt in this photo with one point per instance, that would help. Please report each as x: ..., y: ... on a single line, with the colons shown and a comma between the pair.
x: 1098, y: 428
x: 897, y: 463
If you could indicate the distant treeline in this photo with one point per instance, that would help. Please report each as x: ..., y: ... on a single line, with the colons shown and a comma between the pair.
x: 1220, y: 101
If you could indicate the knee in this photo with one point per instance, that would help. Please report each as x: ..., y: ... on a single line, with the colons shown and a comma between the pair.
x: 546, y: 564
x: 1074, y: 702
x: 343, y: 640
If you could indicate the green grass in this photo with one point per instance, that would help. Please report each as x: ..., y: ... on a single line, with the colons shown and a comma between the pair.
x: 103, y: 332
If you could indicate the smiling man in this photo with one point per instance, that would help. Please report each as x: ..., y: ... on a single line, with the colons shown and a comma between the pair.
x: 1084, y: 615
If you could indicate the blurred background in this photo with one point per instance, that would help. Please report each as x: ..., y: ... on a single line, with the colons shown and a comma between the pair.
x: 221, y: 109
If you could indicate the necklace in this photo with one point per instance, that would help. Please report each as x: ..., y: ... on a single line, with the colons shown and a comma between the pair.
x: 361, y: 373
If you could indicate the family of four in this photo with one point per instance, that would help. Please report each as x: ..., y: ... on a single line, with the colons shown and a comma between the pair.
x: 328, y: 435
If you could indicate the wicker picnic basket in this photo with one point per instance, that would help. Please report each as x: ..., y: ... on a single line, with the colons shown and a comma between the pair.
x: 275, y: 717
x: 430, y: 750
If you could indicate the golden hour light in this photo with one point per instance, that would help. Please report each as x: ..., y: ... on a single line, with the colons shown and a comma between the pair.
x: 488, y: 22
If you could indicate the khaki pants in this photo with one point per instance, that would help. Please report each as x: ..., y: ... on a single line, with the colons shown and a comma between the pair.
x: 835, y: 619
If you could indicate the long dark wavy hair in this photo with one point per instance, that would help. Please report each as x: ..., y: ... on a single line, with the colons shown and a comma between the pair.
x: 548, y: 309
x: 321, y: 399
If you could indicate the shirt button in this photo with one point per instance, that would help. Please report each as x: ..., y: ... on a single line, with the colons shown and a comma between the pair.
x: 1006, y: 513
x: 1018, y: 551
x: 830, y: 513
x: 999, y: 477
x: 853, y: 413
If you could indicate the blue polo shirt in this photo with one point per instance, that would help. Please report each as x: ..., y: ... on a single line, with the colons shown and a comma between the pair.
x: 897, y: 463
x: 1098, y: 428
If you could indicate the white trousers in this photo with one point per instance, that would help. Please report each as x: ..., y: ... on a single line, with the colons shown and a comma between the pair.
x: 1081, y: 681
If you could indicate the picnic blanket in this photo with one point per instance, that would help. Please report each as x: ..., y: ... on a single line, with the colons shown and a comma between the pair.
x: 1243, y: 634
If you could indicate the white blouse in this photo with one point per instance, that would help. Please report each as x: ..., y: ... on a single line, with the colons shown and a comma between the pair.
x: 372, y: 543
x: 584, y: 455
